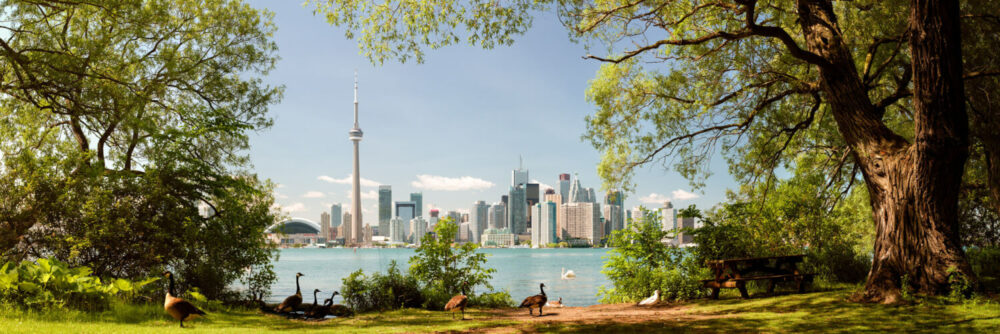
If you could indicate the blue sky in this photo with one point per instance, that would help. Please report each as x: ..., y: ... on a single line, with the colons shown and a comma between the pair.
x: 452, y: 127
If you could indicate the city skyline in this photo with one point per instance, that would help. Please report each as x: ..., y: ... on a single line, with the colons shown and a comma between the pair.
x: 438, y: 128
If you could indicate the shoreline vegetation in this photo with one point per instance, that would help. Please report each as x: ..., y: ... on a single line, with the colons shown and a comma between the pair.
x: 825, y: 311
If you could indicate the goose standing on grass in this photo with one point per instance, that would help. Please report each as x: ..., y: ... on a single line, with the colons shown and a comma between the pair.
x: 458, y: 302
x: 568, y: 274
x: 555, y: 303
x: 652, y: 299
x: 312, y: 311
x: 178, y: 308
x: 536, y: 301
x: 293, y: 301
x: 337, y: 309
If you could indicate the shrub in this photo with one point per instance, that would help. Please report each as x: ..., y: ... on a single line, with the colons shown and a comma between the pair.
x: 496, y: 299
x: 640, y: 263
x: 49, y: 283
x: 438, y: 265
x: 381, y: 292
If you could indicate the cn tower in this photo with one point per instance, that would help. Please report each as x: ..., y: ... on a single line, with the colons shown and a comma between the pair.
x: 355, y: 135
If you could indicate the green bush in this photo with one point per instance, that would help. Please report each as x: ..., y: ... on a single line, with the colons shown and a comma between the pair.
x: 381, y: 292
x: 985, y: 262
x: 640, y: 263
x: 49, y: 283
x: 496, y: 299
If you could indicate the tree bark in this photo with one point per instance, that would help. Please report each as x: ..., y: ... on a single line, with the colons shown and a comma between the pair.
x: 914, y: 187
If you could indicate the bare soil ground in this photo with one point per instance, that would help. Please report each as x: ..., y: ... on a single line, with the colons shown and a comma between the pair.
x: 607, y: 314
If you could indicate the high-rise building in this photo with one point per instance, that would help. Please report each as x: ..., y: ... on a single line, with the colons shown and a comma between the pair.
x: 531, y: 195
x: 583, y: 222
x: 682, y: 236
x: 435, y: 213
x: 498, y: 237
x: 418, y: 199
x: 590, y: 196
x: 396, y: 230
x: 419, y: 227
x: 324, y: 226
x: 463, y: 232
x: 517, y: 210
x: 560, y: 219
x: 544, y: 231
x: 497, y: 216
x: 519, y: 176
x: 564, y: 187
x: 668, y: 220
x: 456, y: 218
x: 406, y: 210
x: 355, y: 136
x: 346, y: 229
x: 614, y: 211
x: 384, y: 208
x: 577, y: 194
x: 478, y: 217
x: 336, y: 215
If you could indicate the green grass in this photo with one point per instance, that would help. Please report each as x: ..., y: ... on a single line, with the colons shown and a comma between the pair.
x: 826, y: 311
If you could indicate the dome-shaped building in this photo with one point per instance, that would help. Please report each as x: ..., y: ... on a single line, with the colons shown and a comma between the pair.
x: 295, y: 231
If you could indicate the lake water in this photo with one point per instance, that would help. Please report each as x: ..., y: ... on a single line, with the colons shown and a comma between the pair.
x: 519, y: 270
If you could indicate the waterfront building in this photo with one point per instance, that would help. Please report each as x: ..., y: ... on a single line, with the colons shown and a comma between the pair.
x: 419, y: 227
x: 345, y: 231
x: 684, y: 238
x: 406, y: 210
x: 497, y: 215
x: 577, y: 194
x: 384, y: 208
x: 614, y: 214
x: 560, y: 218
x: 295, y: 231
x: 336, y: 215
x: 583, y: 222
x: 544, y: 231
x: 493, y: 237
x: 418, y: 200
x: 668, y: 221
x: 396, y: 230
x: 324, y: 227
x: 517, y: 210
x: 564, y: 187
x: 463, y: 232
x: 478, y: 218
x: 355, y: 136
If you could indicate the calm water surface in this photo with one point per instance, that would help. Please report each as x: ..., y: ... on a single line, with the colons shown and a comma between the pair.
x: 519, y: 270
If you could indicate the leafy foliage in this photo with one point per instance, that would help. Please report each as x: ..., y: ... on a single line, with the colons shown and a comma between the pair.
x: 121, y: 120
x: 381, y: 292
x: 641, y: 263
x: 49, y: 283
x: 443, y: 270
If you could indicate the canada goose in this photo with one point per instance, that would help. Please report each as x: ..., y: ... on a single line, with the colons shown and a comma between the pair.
x: 178, y: 308
x: 316, y: 310
x: 292, y: 301
x: 458, y: 302
x: 652, y: 299
x: 536, y: 301
x: 555, y: 303
x: 567, y: 274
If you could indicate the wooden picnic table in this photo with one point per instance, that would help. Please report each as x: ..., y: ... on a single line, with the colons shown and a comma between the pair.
x: 734, y: 273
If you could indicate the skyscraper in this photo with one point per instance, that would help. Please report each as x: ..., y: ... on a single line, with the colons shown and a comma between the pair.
x: 419, y: 227
x: 560, y: 230
x: 384, y: 209
x: 346, y: 228
x: 418, y: 199
x: 544, y: 231
x: 531, y: 195
x: 406, y: 210
x: 519, y: 176
x: 336, y: 215
x: 517, y: 210
x: 324, y: 226
x: 577, y: 194
x: 564, y: 187
x: 497, y: 216
x: 614, y: 211
x: 668, y: 220
x: 591, y: 197
x: 396, y: 230
x: 583, y: 222
x: 355, y: 136
x: 478, y: 217
x: 456, y: 218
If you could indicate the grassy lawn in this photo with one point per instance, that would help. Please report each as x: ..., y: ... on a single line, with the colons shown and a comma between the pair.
x: 820, y: 311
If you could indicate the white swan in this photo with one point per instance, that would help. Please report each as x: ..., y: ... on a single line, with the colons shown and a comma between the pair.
x: 568, y: 274
x: 652, y: 299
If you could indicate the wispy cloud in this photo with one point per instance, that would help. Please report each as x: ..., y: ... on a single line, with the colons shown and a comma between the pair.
x: 294, y: 207
x: 681, y: 195
x: 371, y: 194
x: 279, y: 195
x: 434, y: 182
x: 676, y: 195
x: 542, y: 186
x: 348, y: 180
x: 654, y: 198
x: 313, y: 194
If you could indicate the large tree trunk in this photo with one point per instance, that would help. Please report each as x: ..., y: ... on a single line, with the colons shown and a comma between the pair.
x: 913, y: 187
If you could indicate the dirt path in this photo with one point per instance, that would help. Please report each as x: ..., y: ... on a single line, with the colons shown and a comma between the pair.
x: 593, y: 315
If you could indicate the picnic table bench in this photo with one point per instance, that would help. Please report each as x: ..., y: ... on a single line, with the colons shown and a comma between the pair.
x: 734, y: 273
